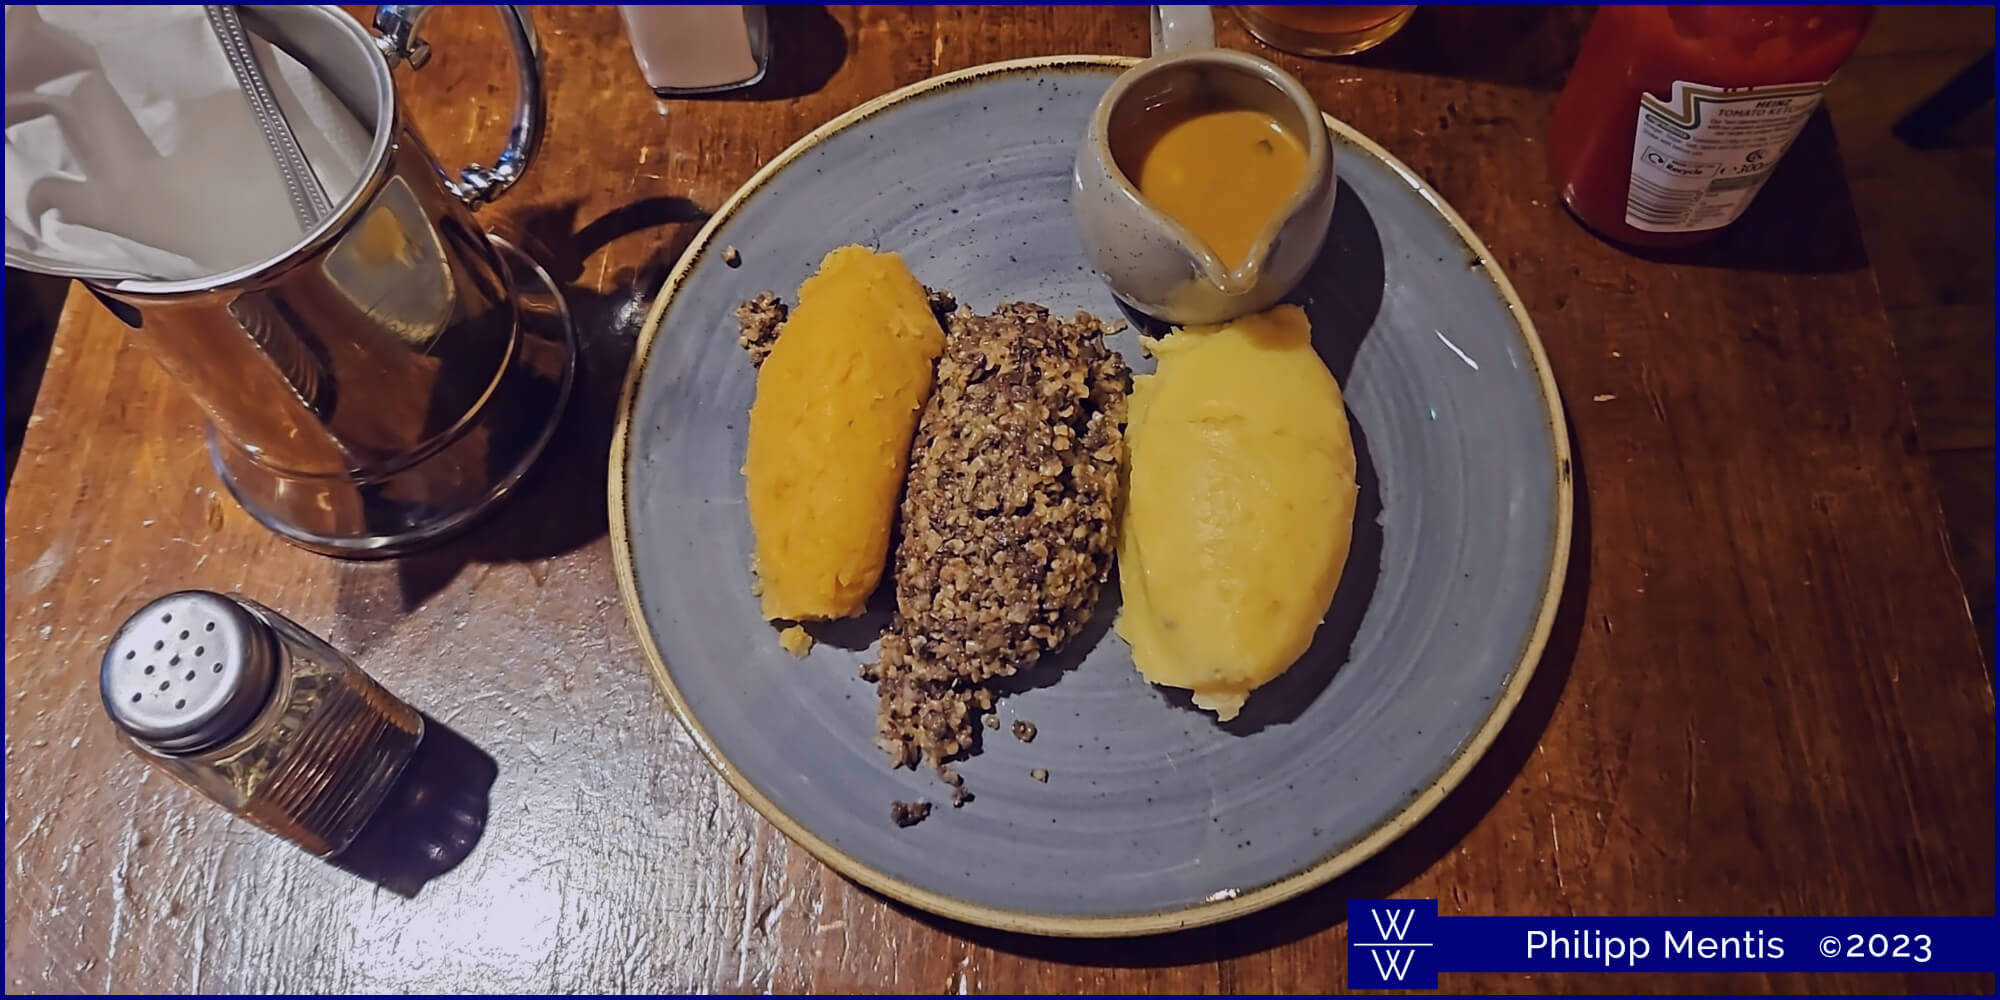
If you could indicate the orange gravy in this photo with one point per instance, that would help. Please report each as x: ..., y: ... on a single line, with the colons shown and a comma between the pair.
x: 1224, y: 172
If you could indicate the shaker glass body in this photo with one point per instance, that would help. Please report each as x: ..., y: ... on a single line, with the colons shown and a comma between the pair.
x: 259, y: 715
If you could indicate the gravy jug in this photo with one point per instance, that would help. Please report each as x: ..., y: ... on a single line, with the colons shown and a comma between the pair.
x: 1160, y: 264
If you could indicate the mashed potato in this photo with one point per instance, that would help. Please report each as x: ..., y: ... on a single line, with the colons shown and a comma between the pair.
x: 1240, y: 507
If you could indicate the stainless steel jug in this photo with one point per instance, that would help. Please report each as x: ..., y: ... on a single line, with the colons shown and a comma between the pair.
x: 392, y: 375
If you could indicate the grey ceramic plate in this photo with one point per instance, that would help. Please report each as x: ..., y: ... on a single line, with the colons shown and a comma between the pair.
x: 1154, y: 817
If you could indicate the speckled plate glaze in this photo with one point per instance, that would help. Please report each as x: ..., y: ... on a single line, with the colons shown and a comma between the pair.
x: 1154, y: 817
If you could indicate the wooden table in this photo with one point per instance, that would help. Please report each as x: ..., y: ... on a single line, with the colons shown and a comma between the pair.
x: 1763, y: 694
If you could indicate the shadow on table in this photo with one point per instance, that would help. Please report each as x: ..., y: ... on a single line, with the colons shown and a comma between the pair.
x: 432, y: 819
x: 807, y: 47
x: 1803, y: 222
x: 559, y: 506
x: 1382, y: 876
x: 1529, y: 47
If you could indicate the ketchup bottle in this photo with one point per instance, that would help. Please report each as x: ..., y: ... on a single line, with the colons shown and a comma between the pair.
x: 1674, y: 116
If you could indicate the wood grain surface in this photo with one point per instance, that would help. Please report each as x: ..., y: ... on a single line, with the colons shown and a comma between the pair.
x: 1763, y: 695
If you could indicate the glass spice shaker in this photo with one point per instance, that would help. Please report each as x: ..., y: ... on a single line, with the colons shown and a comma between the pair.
x: 259, y: 715
x: 684, y: 51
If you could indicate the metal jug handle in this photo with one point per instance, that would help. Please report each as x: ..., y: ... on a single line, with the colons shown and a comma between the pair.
x: 476, y: 185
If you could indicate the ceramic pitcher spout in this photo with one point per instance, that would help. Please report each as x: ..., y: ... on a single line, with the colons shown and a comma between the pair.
x: 1154, y: 263
x: 1240, y: 281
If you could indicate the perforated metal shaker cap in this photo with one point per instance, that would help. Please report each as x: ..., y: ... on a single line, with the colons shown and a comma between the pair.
x: 188, y: 671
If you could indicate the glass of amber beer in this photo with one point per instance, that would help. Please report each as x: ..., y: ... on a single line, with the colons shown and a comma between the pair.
x: 1325, y: 30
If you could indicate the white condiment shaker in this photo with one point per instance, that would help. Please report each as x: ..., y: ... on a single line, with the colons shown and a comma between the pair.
x: 258, y: 714
x: 685, y: 50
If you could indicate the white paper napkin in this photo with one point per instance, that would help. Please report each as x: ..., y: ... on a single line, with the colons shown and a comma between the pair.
x: 132, y: 152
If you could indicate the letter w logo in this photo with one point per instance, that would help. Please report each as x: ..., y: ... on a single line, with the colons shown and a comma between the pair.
x: 1392, y: 964
x: 1391, y: 925
x: 1394, y: 935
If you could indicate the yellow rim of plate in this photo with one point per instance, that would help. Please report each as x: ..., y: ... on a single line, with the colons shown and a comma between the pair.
x: 1194, y: 915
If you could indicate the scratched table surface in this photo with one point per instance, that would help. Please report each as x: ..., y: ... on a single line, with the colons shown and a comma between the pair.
x: 1763, y: 693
